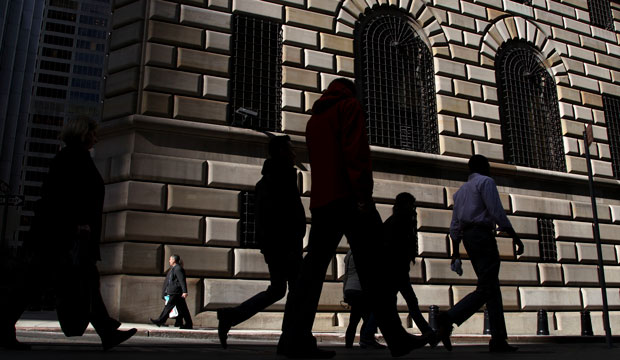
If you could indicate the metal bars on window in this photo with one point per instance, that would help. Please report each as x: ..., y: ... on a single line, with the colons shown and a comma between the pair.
x: 256, y: 78
x: 611, y: 105
x: 546, y: 233
x: 396, y: 78
x: 600, y: 14
x: 529, y: 109
x: 248, y: 220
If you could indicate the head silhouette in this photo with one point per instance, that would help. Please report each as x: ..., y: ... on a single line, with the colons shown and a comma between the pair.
x: 479, y: 164
x: 174, y: 259
x: 350, y: 85
x: 404, y: 204
x: 280, y: 149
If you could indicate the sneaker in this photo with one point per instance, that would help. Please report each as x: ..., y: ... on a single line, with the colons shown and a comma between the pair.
x: 501, y: 346
x: 371, y: 344
x: 116, y: 337
x: 223, y: 326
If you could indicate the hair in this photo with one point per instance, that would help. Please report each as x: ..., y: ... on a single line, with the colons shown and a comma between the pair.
x: 403, y: 201
x: 347, y: 83
x: 74, y: 130
x: 479, y: 164
x: 277, y: 144
x: 177, y: 258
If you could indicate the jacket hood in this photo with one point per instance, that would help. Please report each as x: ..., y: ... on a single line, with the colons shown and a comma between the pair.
x: 336, y: 92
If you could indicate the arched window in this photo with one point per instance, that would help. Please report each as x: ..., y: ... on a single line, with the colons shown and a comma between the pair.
x: 529, y: 109
x: 395, y: 78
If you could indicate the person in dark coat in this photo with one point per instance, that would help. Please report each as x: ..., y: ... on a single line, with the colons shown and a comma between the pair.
x: 64, y: 242
x: 175, y: 290
x: 341, y: 204
x: 401, y: 235
x: 280, y: 229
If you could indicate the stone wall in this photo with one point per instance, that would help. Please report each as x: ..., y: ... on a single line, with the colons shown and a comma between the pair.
x: 174, y: 170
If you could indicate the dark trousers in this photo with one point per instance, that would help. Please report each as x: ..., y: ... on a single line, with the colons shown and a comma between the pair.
x: 282, y: 269
x: 360, y: 309
x: 178, y: 301
x: 481, y: 247
x: 363, y: 231
x: 405, y: 289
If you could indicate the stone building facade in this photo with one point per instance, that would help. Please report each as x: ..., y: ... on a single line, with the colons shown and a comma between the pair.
x: 515, y: 81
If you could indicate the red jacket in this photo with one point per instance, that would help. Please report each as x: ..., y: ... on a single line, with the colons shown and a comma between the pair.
x: 338, y: 148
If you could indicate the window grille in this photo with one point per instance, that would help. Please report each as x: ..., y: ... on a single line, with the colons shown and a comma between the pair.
x: 546, y: 237
x: 395, y: 75
x: 248, y: 217
x: 256, y: 73
x: 529, y: 109
x: 600, y: 14
x: 611, y: 104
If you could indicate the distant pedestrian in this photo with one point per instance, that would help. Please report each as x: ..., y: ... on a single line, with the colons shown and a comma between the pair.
x: 63, y: 245
x: 477, y: 213
x: 280, y: 229
x: 401, y: 235
x: 360, y: 309
x: 175, y: 291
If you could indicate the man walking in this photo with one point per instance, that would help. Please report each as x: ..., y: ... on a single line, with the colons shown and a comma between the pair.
x: 341, y: 204
x: 280, y: 229
x: 477, y: 213
x: 175, y: 287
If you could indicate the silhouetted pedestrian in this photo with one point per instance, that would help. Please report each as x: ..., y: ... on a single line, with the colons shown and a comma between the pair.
x: 64, y: 244
x: 341, y: 203
x: 477, y: 213
x: 175, y: 292
x: 280, y: 228
x: 360, y: 309
x: 401, y: 233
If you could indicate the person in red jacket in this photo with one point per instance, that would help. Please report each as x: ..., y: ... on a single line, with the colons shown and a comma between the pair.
x: 341, y: 204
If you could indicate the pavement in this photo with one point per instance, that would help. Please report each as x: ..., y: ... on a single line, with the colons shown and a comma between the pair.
x: 42, y: 331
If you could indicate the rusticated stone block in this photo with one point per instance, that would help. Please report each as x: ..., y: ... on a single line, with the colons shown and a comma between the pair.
x: 204, y: 18
x: 550, y: 274
x: 132, y: 258
x: 345, y: 65
x: 566, y: 251
x: 124, y: 58
x: 201, y: 61
x: 291, y: 99
x: 576, y: 165
x: 453, y: 146
x: 386, y: 190
x: 610, y: 232
x: 228, y: 293
x: 158, y: 168
x: 324, y: 322
x: 250, y: 263
x: 586, y: 253
x: 490, y: 150
x: 523, y: 323
x: 135, y: 299
x: 126, y: 35
x: 297, y: 36
x: 134, y: 195
x: 294, y: 123
x: 174, y: 34
x: 172, y: 81
x: 156, y: 104
x: 159, y: 55
x: 311, y: 19
x: 471, y: 128
x: 431, y: 295
x: 119, y: 106
x: 201, y: 260
x: 521, y: 273
x: 434, y: 220
x: 452, y: 106
x: 217, y: 42
x: 583, y: 211
x: 128, y: 14
x: 438, y: 272
x: 531, y: 251
x: 593, y: 298
x: 448, y: 68
x: 510, y: 296
x: 580, y: 274
x: 524, y: 226
x: 122, y: 82
x: 430, y: 244
x: 615, y: 213
x: 336, y: 44
x: 222, y: 232
x: 572, y: 230
x: 299, y: 78
x: 533, y: 205
x: 257, y: 7
x: 153, y: 227
x: 208, y: 111
x: 612, y: 275
x: 215, y: 87
x: 232, y: 176
x: 163, y: 10
x: 204, y: 201
x: 535, y: 298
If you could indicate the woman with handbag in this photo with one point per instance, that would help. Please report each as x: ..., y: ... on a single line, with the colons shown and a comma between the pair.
x: 64, y: 241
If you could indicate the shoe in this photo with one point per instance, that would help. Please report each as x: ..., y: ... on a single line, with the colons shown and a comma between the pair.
x: 186, y: 327
x: 411, y: 343
x: 371, y: 344
x: 349, y: 337
x: 501, y: 346
x: 223, y: 326
x: 431, y: 338
x: 178, y: 324
x: 155, y: 322
x: 116, y: 337
x: 445, y: 330
x: 13, y: 344
x: 312, y: 353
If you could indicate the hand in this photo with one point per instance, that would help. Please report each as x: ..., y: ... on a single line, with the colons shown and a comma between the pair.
x: 516, y: 242
x: 184, y: 295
